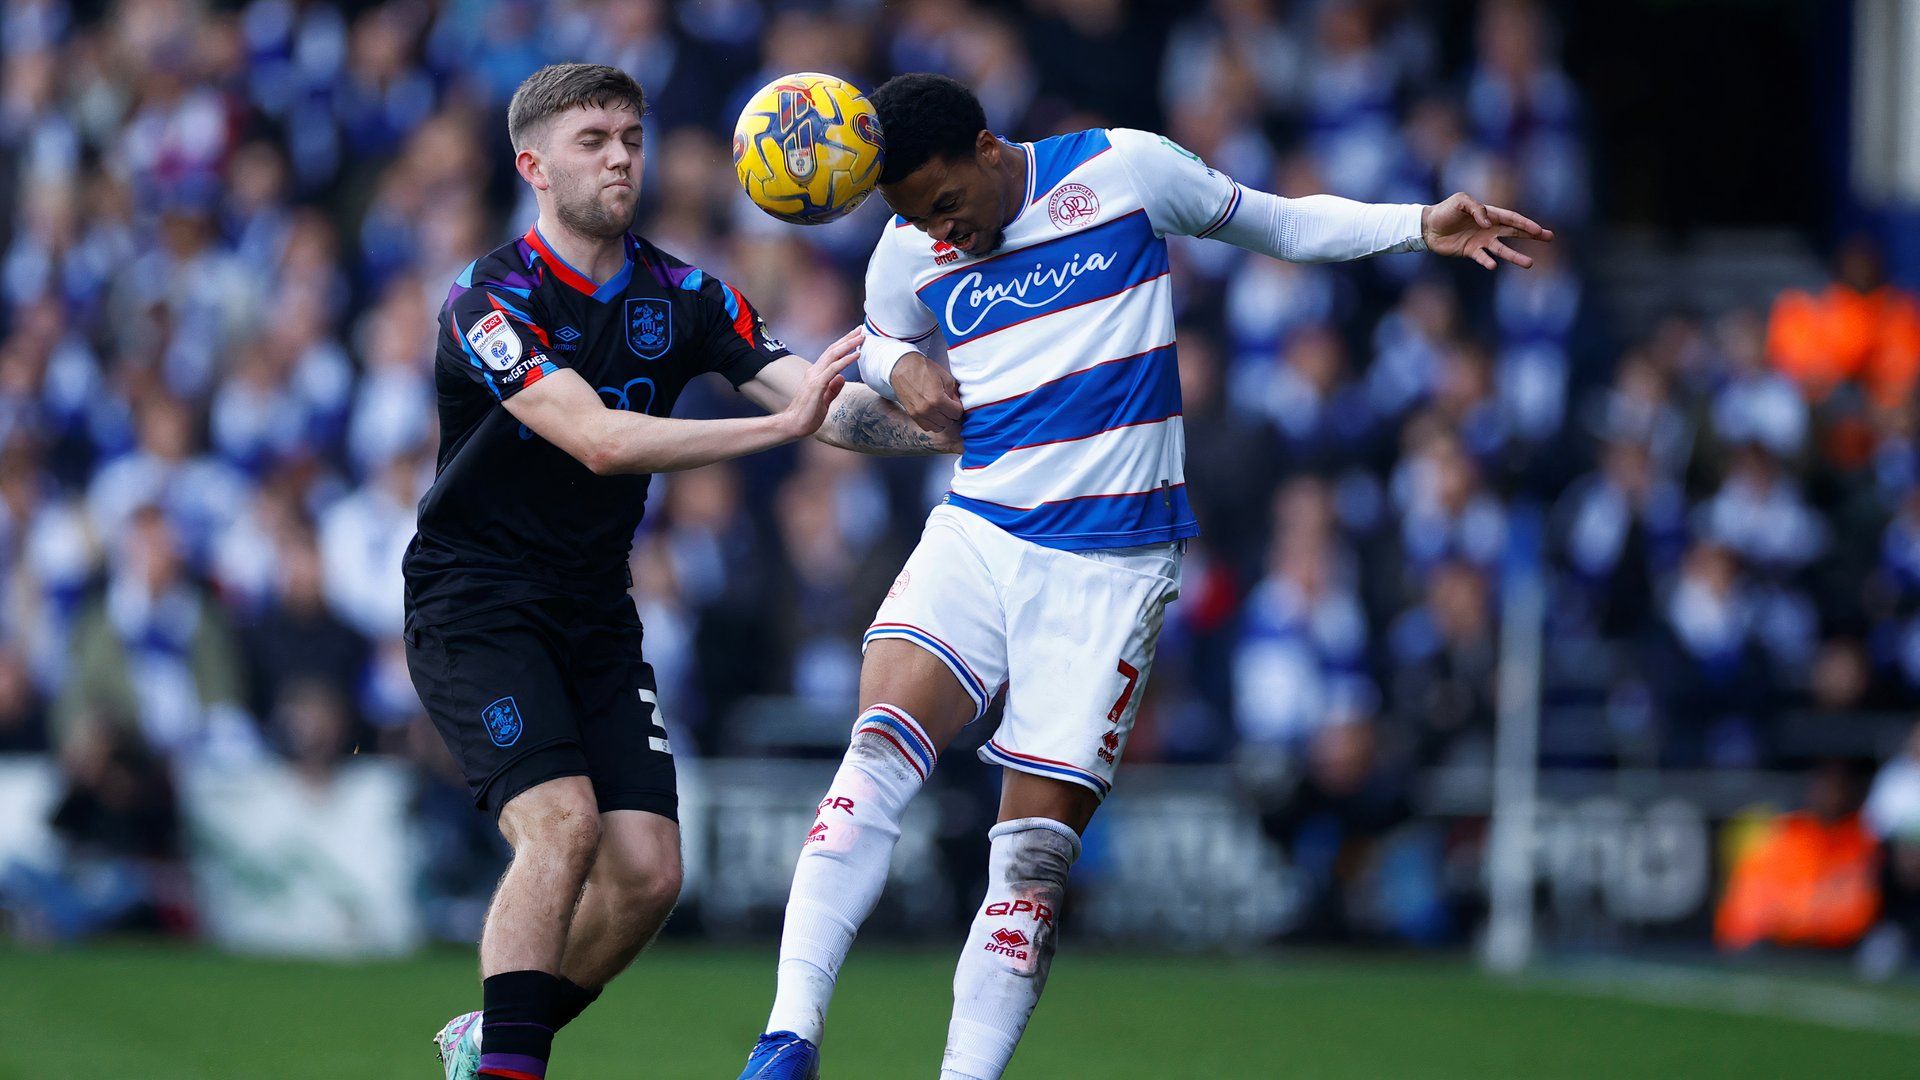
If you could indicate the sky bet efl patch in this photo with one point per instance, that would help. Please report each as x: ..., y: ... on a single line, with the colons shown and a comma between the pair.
x: 494, y: 341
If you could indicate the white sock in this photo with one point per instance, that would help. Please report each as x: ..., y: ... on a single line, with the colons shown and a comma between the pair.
x: 1003, y: 967
x: 843, y: 863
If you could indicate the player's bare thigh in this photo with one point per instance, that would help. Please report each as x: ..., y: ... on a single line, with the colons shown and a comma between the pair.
x: 906, y: 676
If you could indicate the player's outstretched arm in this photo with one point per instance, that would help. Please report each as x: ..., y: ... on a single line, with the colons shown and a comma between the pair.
x: 1182, y: 194
x: 859, y: 419
x: 568, y: 413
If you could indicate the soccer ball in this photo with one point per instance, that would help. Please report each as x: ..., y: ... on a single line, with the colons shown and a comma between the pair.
x: 807, y: 148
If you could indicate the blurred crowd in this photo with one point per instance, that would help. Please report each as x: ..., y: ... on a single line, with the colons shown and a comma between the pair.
x: 230, y: 227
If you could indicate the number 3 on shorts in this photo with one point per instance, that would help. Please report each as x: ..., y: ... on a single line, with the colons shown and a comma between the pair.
x: 1119, y: 709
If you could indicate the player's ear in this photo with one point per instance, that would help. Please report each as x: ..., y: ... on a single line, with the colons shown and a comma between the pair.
x: 527, y: 164
x: 986, y: 148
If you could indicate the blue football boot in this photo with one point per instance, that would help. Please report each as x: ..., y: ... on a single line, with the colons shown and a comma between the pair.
x: 782, y: 1055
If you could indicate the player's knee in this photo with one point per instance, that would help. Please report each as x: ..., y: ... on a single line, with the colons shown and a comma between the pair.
x: 562, y: 825
x: 889, y: 742
x: 1034, y: 853
x: 661, y: 891
x: 642, y: 881
x: 650, y: 892
x: 872, y: 751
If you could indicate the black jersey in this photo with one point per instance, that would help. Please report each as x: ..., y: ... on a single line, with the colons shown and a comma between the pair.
x: 510, y: 516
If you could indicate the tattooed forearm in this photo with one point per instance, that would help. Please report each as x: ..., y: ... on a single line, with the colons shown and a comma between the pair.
x: 862, y: 421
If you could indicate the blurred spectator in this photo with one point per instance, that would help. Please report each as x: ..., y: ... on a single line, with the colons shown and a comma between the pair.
x: 196, y: 493
x: 309, y: 725
x: 1892, y: 807
x: 1302, y: 657
x: 834, y: 573
x: 1759, y: 514
x: 1810, y: 878
x: 1892, y: 813
x: 1319, y: 413
x: 1408, y: 345
x: 1860, y: 329
x: 1444, y: 653
x: 156, y: 652
x: 1640, y: 407
x: 119, y: 832
x: 1539, y: 315
x: 298, y: 640
x: 1241, y: 454
x: 362, y: 540
x: 23, y: 715
x: 1715, y: 686
x: 1446, y: 512
x: 1756, y: 405
x: 1622, y: 529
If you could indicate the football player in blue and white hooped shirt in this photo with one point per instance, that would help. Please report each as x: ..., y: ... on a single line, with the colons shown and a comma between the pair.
x: 1023, y: 295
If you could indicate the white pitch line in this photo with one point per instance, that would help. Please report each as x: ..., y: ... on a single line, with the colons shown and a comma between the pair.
x: 1737, y: 993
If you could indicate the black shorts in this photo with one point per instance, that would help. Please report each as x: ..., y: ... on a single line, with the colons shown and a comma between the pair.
x: 542, y: 689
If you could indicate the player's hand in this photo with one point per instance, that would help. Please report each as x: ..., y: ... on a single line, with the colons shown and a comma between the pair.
x: 928, y: 393
x: 808, y: 409
x: 1464, y: 226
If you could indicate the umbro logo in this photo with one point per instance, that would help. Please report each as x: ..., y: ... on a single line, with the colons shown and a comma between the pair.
x: 567, y: 334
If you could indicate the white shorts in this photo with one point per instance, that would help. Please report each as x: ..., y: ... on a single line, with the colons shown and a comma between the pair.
x: 1069, y: 634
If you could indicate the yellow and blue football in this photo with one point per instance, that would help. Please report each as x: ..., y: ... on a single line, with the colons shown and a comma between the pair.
x: 808, y: 148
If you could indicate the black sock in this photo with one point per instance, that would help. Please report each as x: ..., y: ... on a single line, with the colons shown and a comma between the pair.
x: 574, y: 1000
x: 516, y: 1033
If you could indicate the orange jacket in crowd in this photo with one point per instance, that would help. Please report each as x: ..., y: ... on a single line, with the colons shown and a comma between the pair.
x: 1804, y: 882
x: 1840, y: 335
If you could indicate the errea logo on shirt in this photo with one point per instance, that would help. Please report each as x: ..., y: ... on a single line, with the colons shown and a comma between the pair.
x: 494, y: 342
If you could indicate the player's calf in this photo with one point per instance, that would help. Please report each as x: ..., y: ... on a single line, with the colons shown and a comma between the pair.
x: 554, y: 828
x: 634, y: 884
x: 843, y: 861
x: 1009, y: 949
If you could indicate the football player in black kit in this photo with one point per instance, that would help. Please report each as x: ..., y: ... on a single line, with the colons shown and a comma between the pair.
x: 559, y: 360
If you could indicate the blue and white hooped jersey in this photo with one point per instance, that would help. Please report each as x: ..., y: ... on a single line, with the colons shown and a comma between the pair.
x: 1062, y: 340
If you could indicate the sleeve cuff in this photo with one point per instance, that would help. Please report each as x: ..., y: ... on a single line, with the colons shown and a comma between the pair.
x: 1415, y: 236
x: 878, y: 356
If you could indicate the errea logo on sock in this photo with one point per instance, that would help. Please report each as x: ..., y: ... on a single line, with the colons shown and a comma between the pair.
x: 1008, y: 942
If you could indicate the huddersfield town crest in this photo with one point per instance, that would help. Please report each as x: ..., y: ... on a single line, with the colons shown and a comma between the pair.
x: 503, y: 722
x: 649, y: 327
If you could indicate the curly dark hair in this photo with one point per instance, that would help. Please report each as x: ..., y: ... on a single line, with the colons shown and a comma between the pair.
x: 924, y: 116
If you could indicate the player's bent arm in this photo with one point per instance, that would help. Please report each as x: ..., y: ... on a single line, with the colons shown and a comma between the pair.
x: 568, y: 413
x: 858, y: 420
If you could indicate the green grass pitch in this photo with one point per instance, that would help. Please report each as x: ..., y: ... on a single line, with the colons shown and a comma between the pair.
x: 148, y: 1013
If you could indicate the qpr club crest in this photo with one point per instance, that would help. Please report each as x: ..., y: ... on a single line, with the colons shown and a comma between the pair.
x: 503, y: 722
x: 1071, y: 205
x: 649, y: 327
